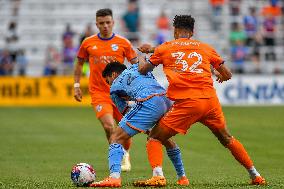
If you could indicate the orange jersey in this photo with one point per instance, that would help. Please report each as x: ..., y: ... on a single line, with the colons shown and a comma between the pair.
x: 96, y: 50
x: 186, y: 63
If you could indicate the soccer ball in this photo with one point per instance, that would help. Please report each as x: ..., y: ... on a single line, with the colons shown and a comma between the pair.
x: 83, y: 174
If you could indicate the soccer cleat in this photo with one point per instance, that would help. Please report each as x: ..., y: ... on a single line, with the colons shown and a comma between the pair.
x: 107, y: 182
x: 183, y: 181
x: 125, y: 163
x: 156, y: 181
x: 258, y: 180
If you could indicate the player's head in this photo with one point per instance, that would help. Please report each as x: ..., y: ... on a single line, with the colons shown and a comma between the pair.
x: 104, y: 22
x: 183, y: 26
x: 112, y: 71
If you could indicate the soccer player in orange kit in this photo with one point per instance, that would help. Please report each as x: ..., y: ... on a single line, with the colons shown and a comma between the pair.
x: 186, y: 63
x: 99, y: 50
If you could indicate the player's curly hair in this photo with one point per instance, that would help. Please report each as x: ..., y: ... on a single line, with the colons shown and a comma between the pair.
x: 184, y: 22
x: 113, y: 67
x: 104, y: 12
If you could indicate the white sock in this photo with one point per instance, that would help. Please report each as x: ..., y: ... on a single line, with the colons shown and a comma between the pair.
x: 158, y: 171
x: 253, y: 172
x: 115, y: 175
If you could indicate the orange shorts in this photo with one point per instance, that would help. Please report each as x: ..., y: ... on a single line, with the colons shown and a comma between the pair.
x: 105, y: 106
x: 186, y: 112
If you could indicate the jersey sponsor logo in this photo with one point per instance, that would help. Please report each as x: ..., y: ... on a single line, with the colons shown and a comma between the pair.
x: 114, y: 47
x: 99, y: 108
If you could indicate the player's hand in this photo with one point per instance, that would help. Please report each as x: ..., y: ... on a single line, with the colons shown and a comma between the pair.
x: 78, y: 94
x: 219, y: 77
x: 145, y: 48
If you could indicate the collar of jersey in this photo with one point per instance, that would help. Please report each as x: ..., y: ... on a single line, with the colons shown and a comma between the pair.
x: 105, y: 39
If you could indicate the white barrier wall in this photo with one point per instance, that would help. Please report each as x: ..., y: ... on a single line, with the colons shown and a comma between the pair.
x: 247, y: 89
x: 252, y: 90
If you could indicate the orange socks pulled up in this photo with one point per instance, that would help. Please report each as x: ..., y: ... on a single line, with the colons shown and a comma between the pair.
x: 240, y: 153
x: 155, y: 153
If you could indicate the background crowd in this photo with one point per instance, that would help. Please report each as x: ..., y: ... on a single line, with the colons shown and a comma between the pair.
x: 255, y: 37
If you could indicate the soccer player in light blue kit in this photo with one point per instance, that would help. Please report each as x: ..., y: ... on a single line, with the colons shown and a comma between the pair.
x: 150, y: 105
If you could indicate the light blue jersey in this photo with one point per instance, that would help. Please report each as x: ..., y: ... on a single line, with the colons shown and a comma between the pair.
x: 149, y: 95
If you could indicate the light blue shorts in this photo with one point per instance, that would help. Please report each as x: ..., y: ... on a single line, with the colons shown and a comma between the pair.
x: 144, y: 115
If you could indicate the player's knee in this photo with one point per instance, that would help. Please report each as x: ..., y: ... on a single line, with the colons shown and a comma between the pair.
x: 120, y: 136
x: 169, y: 144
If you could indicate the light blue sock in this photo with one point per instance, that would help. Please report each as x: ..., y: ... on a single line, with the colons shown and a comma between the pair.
x: 115, y: 156
x: 175, y: 156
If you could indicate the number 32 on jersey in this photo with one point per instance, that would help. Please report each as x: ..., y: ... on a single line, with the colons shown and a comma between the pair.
x: 193, y: 68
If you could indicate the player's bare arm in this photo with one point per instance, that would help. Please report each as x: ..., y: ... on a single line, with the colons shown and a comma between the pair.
x: 223, y: 73
x: 77, y: 77
x: 134, y: 60
x: 146, y: 48
x: 144, y: 65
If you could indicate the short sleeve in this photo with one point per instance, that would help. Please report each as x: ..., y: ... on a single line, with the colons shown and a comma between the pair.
x: 82, y: 53
x: 156, y: 58
x: 215, y: 59
x: 130, y: 53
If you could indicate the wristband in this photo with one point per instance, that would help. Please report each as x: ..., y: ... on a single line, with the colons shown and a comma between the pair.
x: 76, y: 85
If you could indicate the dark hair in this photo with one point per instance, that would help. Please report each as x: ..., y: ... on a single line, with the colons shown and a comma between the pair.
x: 113, y: 67
x: 184, y: 22
x: 104, y: 12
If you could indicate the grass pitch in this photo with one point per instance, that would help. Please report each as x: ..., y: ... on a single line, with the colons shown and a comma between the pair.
x: 39, y: 146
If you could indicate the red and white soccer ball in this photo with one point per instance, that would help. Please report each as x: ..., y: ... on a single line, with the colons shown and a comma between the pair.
x: 83, y: 174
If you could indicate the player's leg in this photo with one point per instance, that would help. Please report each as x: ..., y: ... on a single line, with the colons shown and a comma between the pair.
x: 215, y: 121
x: 177, y: 120
x: 107, y: 113
x: 174, y: 154
x: 108, y: 124
x: 125, y: 164
x: 116, y: 152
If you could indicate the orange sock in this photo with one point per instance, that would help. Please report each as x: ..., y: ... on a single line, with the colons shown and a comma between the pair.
x: 155, y: 153
x: 127, y: 144
x: 240, y: 153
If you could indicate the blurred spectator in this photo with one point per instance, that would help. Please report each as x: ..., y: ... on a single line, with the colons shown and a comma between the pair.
x: 12, y: 40
x: 255, y: 52
x: 86, y: 69
x: 15, y: 7
x: 163, y: 25
x: 237, y: 33
x: 272, y: 9
x: 52, y: 61
x: 251, y: 25
x: 22, y: 62
x: 239, y: 55
x: 235, y: 7
x: 69, y: 54
x: 269, y: 32
x: 131, y: 22
x: 270, y: 13
x: 217, y: 7
x: 6, y: 63
x: 67, y: 35
x: 87, y: 33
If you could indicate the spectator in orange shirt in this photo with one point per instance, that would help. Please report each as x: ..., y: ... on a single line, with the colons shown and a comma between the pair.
x: 217, y: 7
x: 163, y: 25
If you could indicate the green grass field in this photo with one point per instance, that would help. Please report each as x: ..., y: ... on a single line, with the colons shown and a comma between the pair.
x: 39, y: 146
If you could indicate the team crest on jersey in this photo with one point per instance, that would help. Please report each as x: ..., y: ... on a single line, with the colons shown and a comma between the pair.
x: 99, y: 108
x: 114, y: 47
